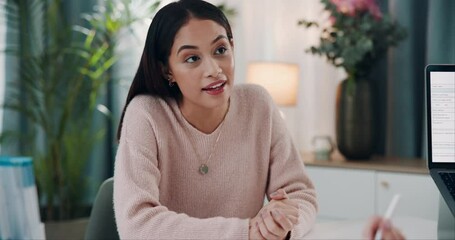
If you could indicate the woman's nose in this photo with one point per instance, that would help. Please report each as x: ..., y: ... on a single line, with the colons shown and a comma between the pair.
x: 212, y: 68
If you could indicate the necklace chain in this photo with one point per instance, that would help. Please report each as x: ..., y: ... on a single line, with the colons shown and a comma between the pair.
x: 203, y: 168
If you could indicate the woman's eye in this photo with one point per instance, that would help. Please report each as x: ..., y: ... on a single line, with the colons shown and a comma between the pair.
x: 192, y: 59
x: 220, y: 50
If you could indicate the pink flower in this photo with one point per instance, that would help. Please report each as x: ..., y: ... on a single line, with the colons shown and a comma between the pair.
x: 361, y: 5
x: 373, y: 8
x: 352, y: 7
x: 332, y: 20
x: 345, y: 6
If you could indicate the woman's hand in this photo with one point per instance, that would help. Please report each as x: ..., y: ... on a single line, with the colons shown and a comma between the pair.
x: 254, y: 233
x: 379, y: 224
x: 277, y: 218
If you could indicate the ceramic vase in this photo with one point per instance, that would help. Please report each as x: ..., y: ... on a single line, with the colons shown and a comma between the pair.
x: 354, y: 119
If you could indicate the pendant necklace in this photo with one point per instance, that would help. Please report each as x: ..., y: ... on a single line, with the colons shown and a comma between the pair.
x: 204, y: 168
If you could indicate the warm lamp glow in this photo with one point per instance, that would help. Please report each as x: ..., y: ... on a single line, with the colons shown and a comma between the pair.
x: 280, y: 80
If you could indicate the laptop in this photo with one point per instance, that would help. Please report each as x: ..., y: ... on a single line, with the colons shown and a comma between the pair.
x: 440, y: 100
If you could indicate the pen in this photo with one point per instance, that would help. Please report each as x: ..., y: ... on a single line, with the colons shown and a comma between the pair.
x: 388, y: 214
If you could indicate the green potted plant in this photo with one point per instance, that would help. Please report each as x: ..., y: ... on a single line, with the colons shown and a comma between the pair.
x: 355, y: 36
x: 62, y: 70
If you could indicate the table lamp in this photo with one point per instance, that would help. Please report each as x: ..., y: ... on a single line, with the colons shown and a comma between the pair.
x: 279, y: 79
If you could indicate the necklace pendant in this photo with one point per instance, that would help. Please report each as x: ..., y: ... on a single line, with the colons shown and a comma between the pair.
x: 203, y: 169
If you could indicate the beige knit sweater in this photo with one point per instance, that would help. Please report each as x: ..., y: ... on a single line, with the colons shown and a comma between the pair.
x: 159, y: 193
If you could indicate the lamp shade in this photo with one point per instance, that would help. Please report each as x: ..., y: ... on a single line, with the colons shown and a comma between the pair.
x: 279, y: 79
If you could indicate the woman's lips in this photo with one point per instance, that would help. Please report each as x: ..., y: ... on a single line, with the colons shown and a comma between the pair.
x: 214, y: 85
x: 215, y: 88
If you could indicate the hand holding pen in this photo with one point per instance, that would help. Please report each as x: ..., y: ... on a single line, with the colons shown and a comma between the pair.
x: 381, y: 227
x: 389, y: 232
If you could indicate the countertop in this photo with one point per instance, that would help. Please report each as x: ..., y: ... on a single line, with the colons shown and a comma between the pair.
x: 389, y: 164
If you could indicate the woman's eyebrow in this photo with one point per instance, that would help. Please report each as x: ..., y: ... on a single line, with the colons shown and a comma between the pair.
x: 186, y: 47
x: 195, y: 47
x: 218, y: 38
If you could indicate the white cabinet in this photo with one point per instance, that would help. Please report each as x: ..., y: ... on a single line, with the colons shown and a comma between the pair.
x: 343, y: 193
x: 358, y: 194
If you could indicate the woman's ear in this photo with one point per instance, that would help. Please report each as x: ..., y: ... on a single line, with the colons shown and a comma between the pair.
x: 165, y: 72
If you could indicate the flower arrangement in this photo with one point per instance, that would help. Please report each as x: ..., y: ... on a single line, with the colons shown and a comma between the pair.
x: 357, y: 34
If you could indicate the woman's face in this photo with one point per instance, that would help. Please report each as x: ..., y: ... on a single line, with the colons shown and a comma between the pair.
x: 202, y: 64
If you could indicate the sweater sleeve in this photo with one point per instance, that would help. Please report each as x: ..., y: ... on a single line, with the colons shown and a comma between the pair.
x: 287, y: 171
x: 138, y: 211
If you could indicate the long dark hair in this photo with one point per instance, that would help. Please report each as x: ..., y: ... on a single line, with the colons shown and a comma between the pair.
x: 151, y: 75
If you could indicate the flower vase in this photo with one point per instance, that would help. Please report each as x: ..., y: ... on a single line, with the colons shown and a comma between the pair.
x: 354, y: 119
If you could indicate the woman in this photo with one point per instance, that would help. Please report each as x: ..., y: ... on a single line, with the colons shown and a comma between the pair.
x: 197, y: 154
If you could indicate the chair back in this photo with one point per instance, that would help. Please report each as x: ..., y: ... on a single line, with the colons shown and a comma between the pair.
x: 102, y: 220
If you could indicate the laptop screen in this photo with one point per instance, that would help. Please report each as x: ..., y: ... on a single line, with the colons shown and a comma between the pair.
x: 441, y: 111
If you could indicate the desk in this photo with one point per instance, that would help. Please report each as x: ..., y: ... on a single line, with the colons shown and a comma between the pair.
x: 412, y: 228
